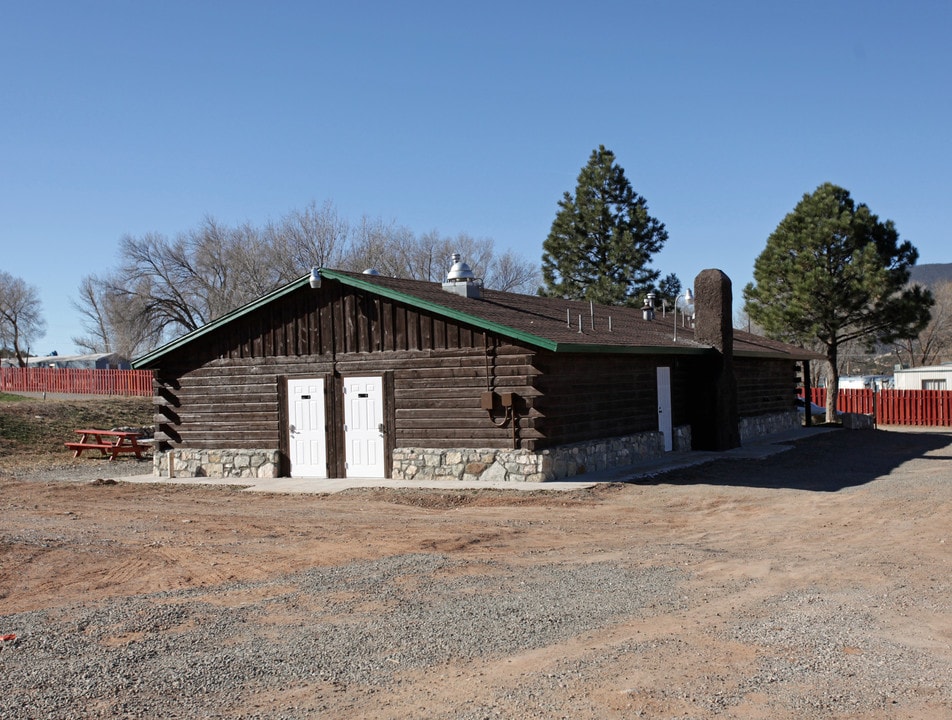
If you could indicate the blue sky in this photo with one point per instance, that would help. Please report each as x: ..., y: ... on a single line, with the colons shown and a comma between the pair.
x: 126, y: 118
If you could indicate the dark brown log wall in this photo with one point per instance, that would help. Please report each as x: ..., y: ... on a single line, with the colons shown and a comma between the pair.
x: 590, y: 396
x: 228, y: 390
x: 436, y: 394
x: 435, y: 403
x: 764, y: 385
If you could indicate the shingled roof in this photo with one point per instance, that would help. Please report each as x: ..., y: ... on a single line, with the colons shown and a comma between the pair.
x: 548, y: 323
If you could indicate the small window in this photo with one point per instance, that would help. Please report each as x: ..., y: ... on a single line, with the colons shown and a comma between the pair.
x: 933, y: 384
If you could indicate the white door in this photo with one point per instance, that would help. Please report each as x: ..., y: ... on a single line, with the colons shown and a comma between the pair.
x: 363, y: 427
x: 308, y: 450
x: 664, y: 407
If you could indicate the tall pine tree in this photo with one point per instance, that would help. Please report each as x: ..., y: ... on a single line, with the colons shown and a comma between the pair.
x: 833, y: 272
x: 602, y: 239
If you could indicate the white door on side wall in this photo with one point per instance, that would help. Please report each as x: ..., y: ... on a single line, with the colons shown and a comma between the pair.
x: 363, y: 427
x: 306, y: 431
x: 664, y: 407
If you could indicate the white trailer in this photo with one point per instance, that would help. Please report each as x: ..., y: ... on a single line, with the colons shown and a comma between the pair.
x: 936, y: 377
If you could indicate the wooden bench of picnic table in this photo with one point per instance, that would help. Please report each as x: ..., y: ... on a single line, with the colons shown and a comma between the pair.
x: 107, y: 442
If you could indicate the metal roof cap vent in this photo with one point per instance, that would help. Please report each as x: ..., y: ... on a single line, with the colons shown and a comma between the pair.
x: 371, y: 271
x: 461, y: 280
x: 648, y: 309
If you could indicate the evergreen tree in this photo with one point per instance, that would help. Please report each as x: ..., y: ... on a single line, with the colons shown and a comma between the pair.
x: 602, y: 239
x: 668, y: 290
x: 832, y: 272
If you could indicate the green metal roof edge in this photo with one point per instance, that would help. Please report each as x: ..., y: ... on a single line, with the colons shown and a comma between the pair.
x: 419, y: 303
x: 411, y: 300
x: 215, y: 324
x: 634, y: 349
x: 441, y: 309
x: 675, y: 350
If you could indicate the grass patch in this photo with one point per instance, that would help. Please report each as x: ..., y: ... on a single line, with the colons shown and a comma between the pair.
x: 7, y: 397
x: 30, y: 427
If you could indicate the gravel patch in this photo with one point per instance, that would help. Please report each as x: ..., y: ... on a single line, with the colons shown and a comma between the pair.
x: 823, y: 654
x: 197, y: 653
x: 809, y: 586
x: 84, y: 469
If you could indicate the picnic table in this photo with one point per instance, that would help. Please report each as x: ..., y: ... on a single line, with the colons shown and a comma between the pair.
x: 107, y: 442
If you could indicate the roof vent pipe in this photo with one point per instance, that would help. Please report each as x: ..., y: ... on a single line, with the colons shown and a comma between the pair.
x: 647, y: 311
x: 461, y: 280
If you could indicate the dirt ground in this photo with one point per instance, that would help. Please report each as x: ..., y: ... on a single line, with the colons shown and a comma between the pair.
x: 850, y: 525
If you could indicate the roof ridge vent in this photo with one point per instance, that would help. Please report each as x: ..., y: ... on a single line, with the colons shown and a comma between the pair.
x: 461, y: 280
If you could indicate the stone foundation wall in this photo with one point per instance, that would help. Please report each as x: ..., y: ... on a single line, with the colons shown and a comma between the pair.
x: 223, y: 463
x: 681, y: 442
x: 475, y: 464
x: 490, y: 465
x: 758, y: 426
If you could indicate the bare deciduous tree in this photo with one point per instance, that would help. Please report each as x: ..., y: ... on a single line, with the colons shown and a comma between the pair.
x: 21, y: 319
x: 174, y: 298
x: 168, y: 286
x: 304, y: 239
x: 91, y: 306
x: 511, y: 273
x: 934, y: 343
x: 114, y: 323
x: 377, y: 245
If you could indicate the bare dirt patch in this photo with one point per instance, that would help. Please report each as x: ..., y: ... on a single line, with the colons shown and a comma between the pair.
x: 813, y: 583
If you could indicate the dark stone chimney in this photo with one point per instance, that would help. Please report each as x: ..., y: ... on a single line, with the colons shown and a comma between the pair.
x: 716, y: 418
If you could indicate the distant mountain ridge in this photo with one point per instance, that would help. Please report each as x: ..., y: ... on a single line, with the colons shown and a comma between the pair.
x: 931, y: 274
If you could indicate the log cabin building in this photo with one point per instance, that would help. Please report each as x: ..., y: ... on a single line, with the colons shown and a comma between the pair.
x: 343, y: 374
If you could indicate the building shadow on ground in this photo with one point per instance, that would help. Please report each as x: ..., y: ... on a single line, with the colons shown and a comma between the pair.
x: 827, y: 462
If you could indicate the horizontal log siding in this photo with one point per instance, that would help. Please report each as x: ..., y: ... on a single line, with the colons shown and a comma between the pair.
x: 437, y: 394
x: 586, y: 397
x: 231, y: 403
x: 223, y: 404
x: 764, y: 386
x: 225, y: 388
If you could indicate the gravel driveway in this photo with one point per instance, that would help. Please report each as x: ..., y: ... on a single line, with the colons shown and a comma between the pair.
x: 810, y: 584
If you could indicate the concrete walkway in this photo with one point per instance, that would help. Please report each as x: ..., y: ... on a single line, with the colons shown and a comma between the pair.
x: 761, y: 448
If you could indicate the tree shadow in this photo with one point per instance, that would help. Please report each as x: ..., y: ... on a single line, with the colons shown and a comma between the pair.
x: 826, y: 462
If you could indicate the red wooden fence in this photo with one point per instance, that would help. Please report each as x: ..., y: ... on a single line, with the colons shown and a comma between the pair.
x: 75, y: 381
x: 894, y: 407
